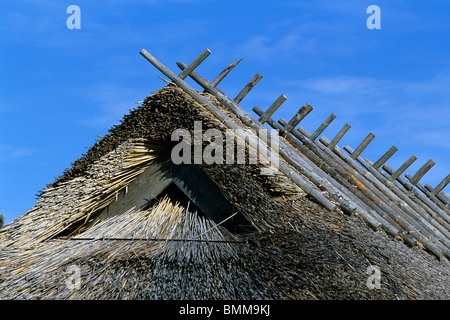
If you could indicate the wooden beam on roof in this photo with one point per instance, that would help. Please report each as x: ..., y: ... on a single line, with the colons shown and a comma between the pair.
x: 194, y: 64
x: 442, y: 212
x: 339, y: 136
x: 409, y: 206
x: 441, y: 185
x: 403, y: 167
x: 437, y: 195
x: 421, y: 172
x: 335, y: 177
x: 355, y: 154
x: 266, y: 115
x: 385, y: 157
x: 322, y: 127
x: 301, y: 113
x: 241, y: 95
x: 224, y: 73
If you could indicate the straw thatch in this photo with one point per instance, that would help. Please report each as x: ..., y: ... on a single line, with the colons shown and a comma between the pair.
x: 169, y: 250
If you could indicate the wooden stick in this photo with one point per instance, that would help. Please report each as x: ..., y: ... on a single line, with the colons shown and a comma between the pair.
x: 194, y: 64
x: 301, y: 113
x: 441, y: 185
x: 386, y: 203
x: 446, y: 196
x: 331, y: 180
x: 224, y: 73
x: 438, y: 195
x: 428, y: 193
x: 419, y: 199
x: 315, y: 169
x: 342, y: 174
x: 385, y: 157
x: 339, y: 136
x: 421, y: 172
x: 247, y: 88
x: 441, y: 231
x: 355, y: 154
x: 426, y: 200
x: 266, y: 115
x: 418, y: 185
x: 322, y: 127
x: 403, y: 167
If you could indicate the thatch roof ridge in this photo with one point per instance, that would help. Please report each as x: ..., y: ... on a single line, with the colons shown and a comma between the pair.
x: 135, y: 124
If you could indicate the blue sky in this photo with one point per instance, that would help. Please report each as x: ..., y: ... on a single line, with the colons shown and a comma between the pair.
x: 60, y: 88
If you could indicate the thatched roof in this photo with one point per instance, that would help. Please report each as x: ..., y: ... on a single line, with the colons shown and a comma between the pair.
x: 168, y: 250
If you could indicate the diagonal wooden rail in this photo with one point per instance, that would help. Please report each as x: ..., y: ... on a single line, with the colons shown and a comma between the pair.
x: 384, y: 199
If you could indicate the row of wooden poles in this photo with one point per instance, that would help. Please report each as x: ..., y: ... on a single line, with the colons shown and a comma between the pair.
x: 386, y: 200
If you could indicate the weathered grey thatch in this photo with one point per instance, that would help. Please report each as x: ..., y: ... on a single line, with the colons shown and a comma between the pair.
x: 297, y: 249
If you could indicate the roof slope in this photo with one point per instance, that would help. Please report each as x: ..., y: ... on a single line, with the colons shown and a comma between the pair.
x: 167, y: 251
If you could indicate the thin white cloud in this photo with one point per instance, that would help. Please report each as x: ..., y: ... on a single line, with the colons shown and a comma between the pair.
x: 265, y: 48
x: 111, y: 103
x: 10, y: 153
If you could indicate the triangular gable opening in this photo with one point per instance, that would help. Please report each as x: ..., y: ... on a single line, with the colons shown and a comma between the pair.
x: 186, y: 184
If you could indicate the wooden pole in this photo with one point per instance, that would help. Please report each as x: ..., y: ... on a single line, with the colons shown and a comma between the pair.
x: 441, y: 231
x: 421, y: 172
x: 299, y: 116
x: 428, y: 194
x: 386, y: 203
x: 418, y: 198
x: 438, y: 195
x: 385, y: 157
x: 442, y: 212
x: 194, y: 64
x: 441, y: 185
x: 247, y: 88
x: 322, y: 127
x: 224, y: 73
x: 338, y: 137
x: 355, y: 154
x: 344, y: 175
x: 446, y: 196
x: 337, y: 187
x: 249, y: 121
x: 266, y: 115
x: 319, y: 167
x: 403, y: 167
x: 2, y: 220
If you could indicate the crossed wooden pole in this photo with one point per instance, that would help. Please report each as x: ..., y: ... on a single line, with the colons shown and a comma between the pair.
x: 380, y: 195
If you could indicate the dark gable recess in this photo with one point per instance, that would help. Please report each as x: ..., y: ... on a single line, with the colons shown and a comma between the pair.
x: 184, y: 183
